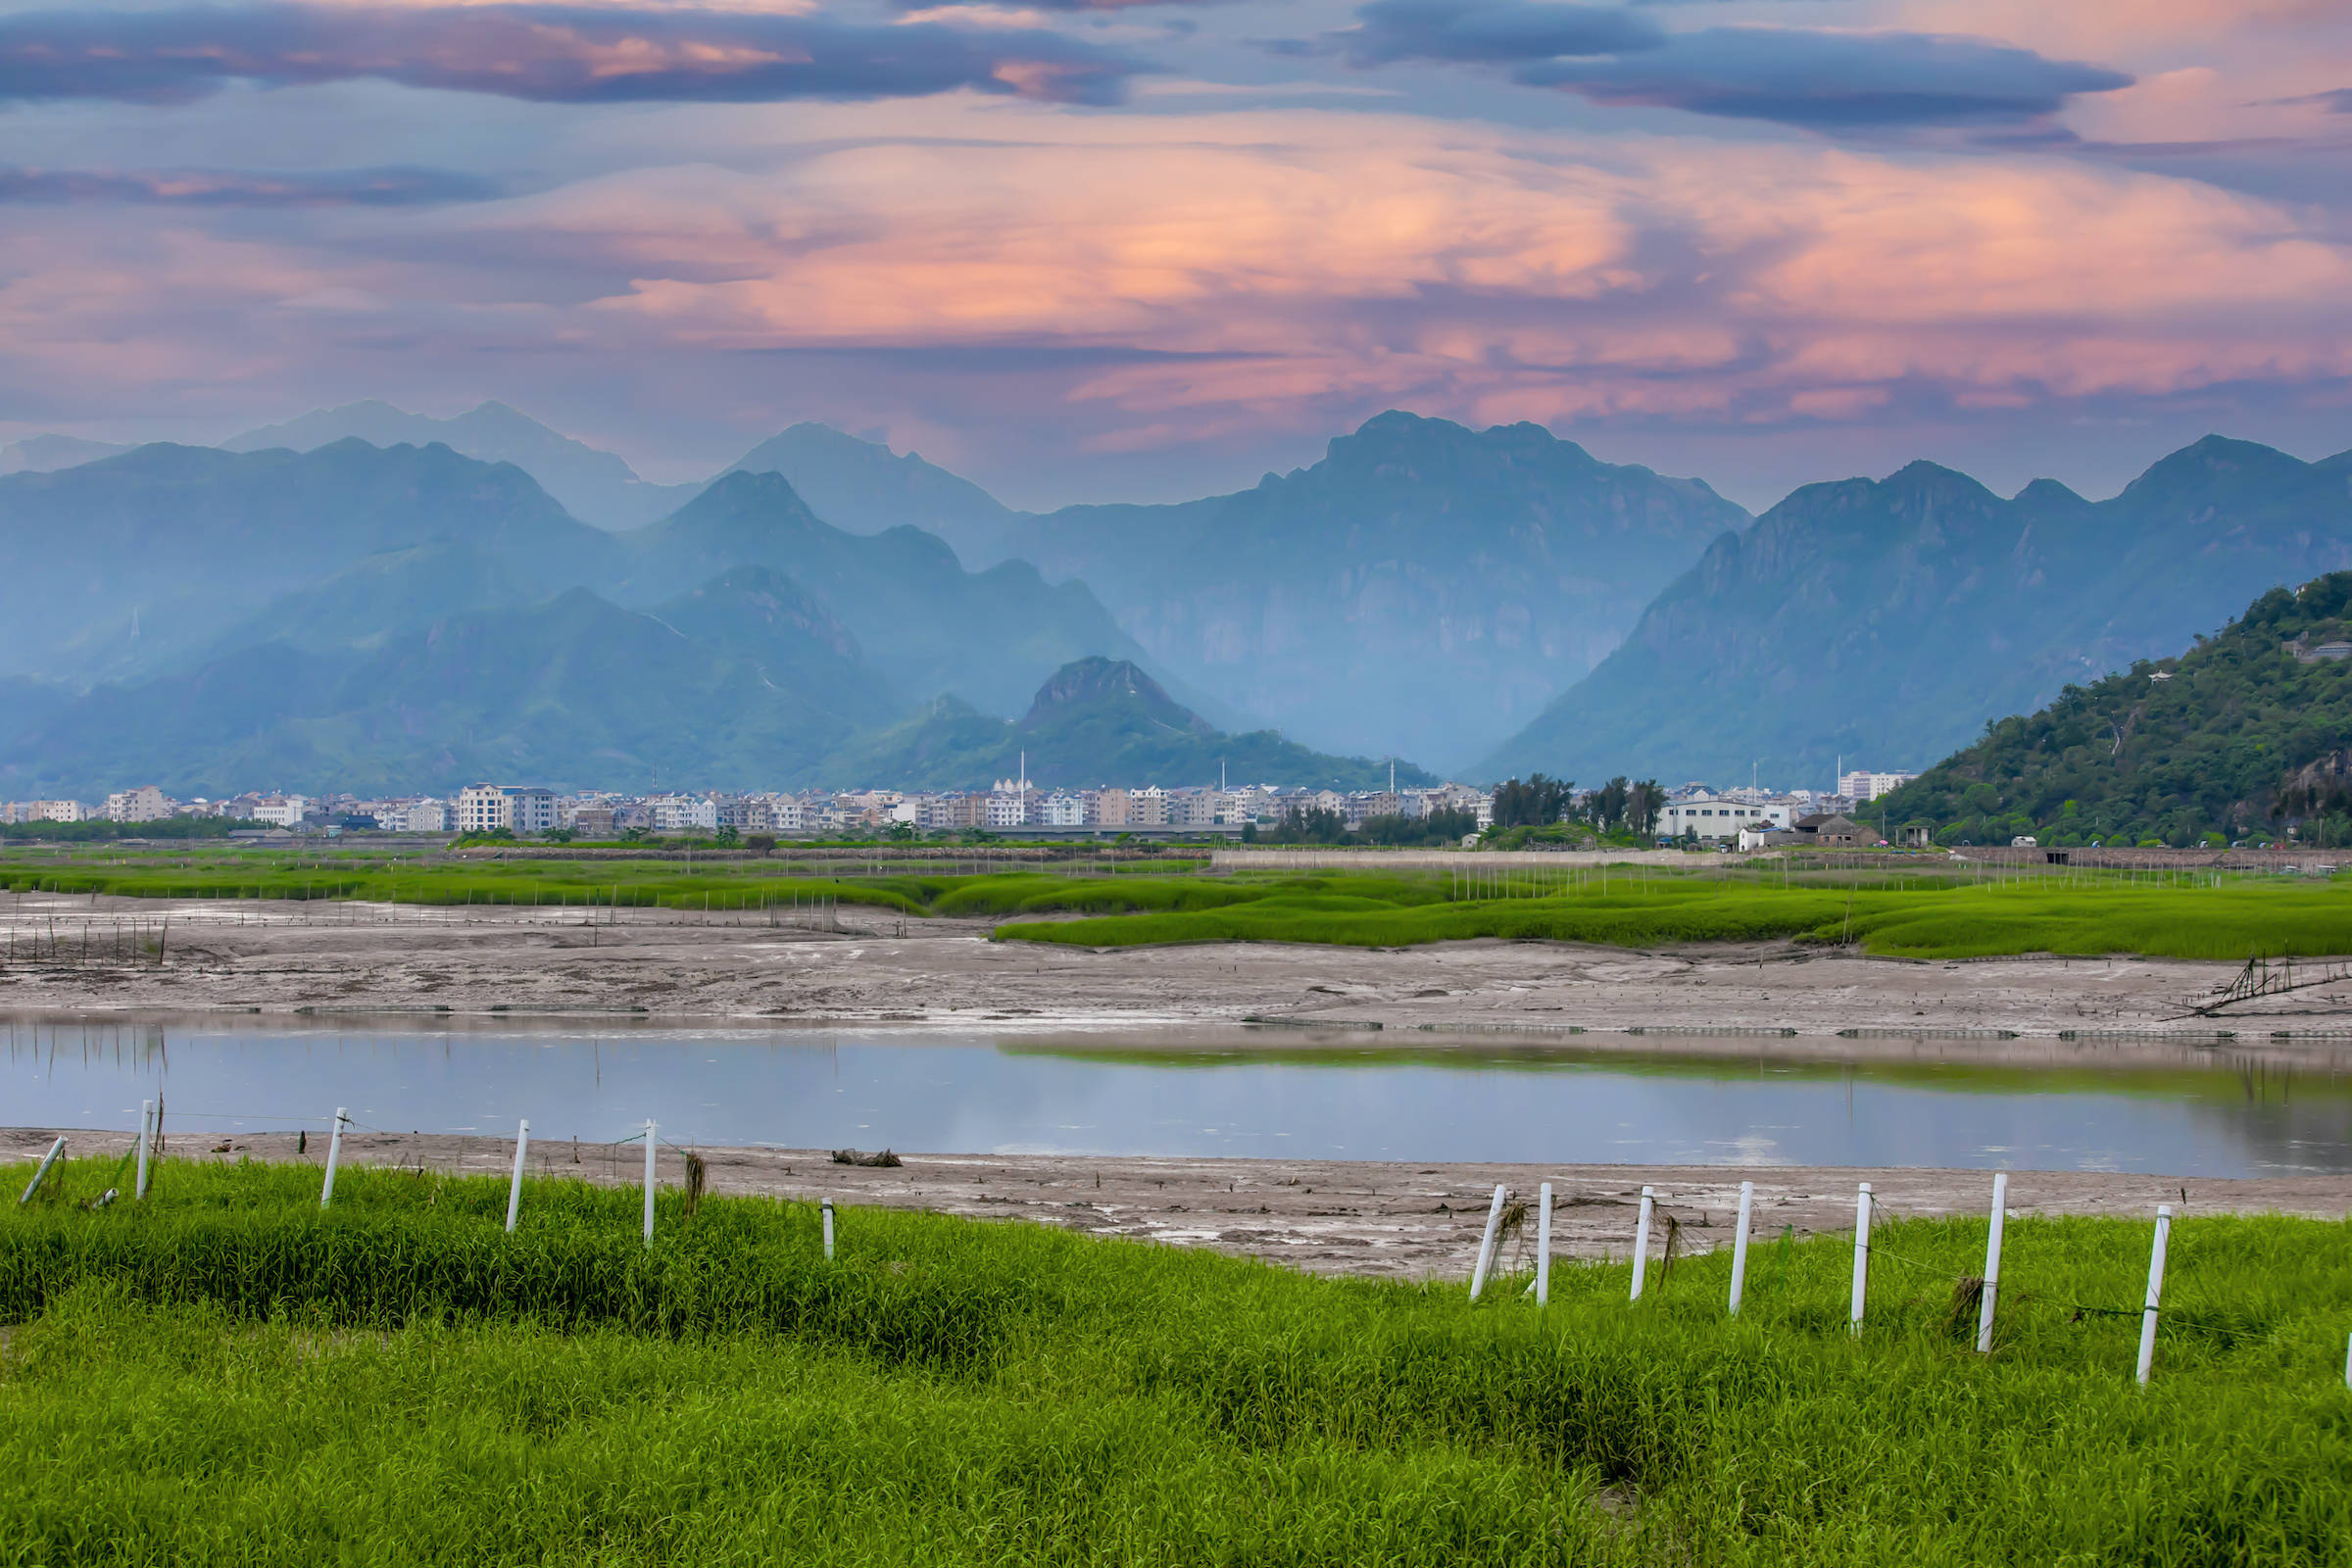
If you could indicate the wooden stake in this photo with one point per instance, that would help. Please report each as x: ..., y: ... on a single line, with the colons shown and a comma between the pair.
x: 1992, y: 1262
x: 334, y: 1151
x: 649, y: 1182
x: 146, y: 1132
x: 2147, y: 1315
x: 1642, y: 1241
x: 1861, y: 1257
x: 1747, y: 1202
x: 1543, y: 1245
x: 522, y: 1141
x: 47, y: 1160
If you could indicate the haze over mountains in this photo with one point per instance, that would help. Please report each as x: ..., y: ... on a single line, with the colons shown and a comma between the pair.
x: 1891, y: 620
x: 1424, y: 590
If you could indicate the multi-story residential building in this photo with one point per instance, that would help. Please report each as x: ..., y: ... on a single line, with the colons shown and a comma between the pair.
x: 748, y: 813
x: 1861, y: 785
x: 594, y: 822
x: 426, y: 815
x: 482, y: 809
x: 1106, y: 808
x: 529, y: 807
x: 146, y: 803
x: 1148, y: 807
x: 280, y: 810
x: 51, y: 811
x: 684, y: 814
x: 1061, y: 809
x: 1007, y: 808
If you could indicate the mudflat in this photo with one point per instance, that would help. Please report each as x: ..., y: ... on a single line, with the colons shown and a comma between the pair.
x: 80, y: 952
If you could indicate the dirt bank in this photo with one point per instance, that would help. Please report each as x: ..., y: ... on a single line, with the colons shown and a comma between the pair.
x: 281, y: 957
x: 1357, y: 1217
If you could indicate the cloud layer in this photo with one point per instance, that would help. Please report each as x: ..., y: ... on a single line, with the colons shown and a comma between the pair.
x: 551, y: 54
x: 2066, y: 225
x: 219, y: 187
x: 1797, y: 76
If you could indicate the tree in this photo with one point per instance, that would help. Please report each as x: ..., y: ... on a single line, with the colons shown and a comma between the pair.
x: 1538, y: 802
x: 1642, y: 804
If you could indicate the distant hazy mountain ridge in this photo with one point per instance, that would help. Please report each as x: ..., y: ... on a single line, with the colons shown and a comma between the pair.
x: 1425, y: 587
x: 1889, y: 621
x: 1100, y: 722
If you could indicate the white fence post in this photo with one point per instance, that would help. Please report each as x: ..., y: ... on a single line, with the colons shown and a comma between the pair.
x: 1992, y: 1262
x: 1543, y: 1245
x: 1747, y: 1201
x: 2148, y: 1316
x: 146, y: 1134
x: 649, y: 1182
x: 1861, y: 1256
x: 47, y: 1160
x: 1642, y: 1241
x: 522, y: 1141
x: 1485, y: 1247
x: 335, y: 1151
x: 828, y: 1217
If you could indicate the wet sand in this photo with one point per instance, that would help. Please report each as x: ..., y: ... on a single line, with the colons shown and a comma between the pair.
x: 1351, y: 1218
x: 288, y: 956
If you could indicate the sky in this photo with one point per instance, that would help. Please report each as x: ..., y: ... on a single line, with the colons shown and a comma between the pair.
x: 1096, y: 250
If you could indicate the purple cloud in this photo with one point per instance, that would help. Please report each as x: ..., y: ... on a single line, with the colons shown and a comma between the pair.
x: 1830, y: 81
x: 1490, y: 30
x: 547, y: 54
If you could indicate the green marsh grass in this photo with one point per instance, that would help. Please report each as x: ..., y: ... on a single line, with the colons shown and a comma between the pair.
x: 229, y: 1375
x: 1915, y: 907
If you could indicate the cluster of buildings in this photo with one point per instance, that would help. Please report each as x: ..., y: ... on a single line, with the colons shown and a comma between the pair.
x: 1012, y: 805
x: 1749, y: 815
x: 1753, y: 817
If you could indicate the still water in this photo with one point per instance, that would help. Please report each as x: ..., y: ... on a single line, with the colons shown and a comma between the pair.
x: 1209, y: 1092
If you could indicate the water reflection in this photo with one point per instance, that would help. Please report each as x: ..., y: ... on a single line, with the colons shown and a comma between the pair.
x: 2147, y: 1106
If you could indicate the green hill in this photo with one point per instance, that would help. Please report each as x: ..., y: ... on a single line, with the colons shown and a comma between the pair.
x: 2239, y: 738
x: 1096, y: 721
x: 1890, y: 620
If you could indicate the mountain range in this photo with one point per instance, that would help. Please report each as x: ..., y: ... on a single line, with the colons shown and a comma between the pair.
x: 1887, y: 622
x: 1423, y: 588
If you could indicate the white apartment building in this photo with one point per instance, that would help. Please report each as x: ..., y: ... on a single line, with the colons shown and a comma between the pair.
x: 53, y: 811
x: 1007, y: 808
x: 427, y: 816
x: 684, y: 814
x: 1061, y: 809
x: 146, y: 803
x: 482, y: 809
x: 1718, y: 816
x: 1148, y: 807
x: 280, y: 810
x: 1862, y: 785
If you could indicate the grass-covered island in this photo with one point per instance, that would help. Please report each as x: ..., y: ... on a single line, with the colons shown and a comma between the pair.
x: 227, y: 1373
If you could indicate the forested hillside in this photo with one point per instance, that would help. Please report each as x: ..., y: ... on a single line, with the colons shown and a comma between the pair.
x: 2245, y: 737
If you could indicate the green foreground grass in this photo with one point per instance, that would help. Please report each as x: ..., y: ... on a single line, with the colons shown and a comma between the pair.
x: 1921, y: 910
x: 228, y: 1375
